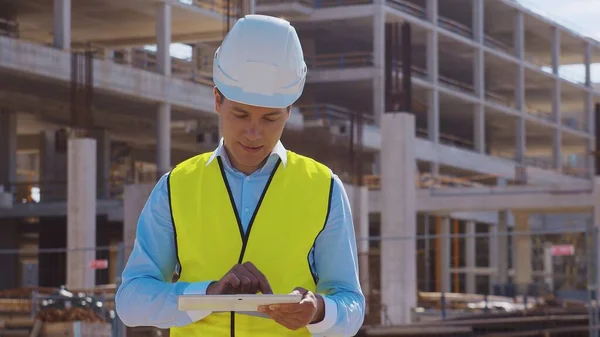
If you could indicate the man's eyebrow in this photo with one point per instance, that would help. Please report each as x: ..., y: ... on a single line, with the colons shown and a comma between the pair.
x: 268, y: 114
x: 238, y: 109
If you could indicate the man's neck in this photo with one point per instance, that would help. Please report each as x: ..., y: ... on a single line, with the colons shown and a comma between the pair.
x: 248, y: 170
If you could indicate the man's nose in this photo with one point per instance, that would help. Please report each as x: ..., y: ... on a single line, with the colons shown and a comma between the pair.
x: 253, y: 132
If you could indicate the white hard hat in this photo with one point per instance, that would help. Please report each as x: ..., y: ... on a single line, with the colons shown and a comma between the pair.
x: 260, y: 63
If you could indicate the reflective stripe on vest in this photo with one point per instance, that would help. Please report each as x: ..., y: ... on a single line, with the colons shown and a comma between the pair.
x: 290, y: 214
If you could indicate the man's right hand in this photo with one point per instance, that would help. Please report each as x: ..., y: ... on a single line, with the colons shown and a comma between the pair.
x: 241, y: 279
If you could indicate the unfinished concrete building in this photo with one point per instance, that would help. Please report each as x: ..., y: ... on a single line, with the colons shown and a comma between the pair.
x: 489, y: 105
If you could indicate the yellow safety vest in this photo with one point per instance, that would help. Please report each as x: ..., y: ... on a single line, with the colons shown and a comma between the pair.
x: 291, y: 213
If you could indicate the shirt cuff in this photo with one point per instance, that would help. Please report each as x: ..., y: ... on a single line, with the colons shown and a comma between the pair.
x: 329, y: 320
x: 197, y: 288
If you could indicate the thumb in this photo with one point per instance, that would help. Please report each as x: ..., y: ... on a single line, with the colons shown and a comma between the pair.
x: 300, y: 291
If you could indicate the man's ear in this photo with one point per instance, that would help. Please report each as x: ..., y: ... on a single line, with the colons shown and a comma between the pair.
x: 289, y: 113
x: 217, y: 95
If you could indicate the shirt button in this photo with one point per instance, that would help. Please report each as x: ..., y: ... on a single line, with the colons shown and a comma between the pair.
x: 247, y: 178
x: 246, y: 210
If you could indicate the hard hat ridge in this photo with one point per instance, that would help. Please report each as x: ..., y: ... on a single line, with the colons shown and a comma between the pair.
x: 261, y: 63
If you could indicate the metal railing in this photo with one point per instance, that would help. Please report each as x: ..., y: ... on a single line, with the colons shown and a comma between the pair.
x: 307, y: 3
x: 340, y: 60
x: 330, y: 112
x: 339, y: 3
x: 447, y: 277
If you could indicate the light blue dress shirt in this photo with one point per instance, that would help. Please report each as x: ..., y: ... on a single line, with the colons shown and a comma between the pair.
x: 147, y: 297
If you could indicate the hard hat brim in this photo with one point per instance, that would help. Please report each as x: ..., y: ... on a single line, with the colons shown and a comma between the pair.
x: 276, y: 101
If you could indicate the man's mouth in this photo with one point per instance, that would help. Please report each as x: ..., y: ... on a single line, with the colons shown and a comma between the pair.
x: 251, y: 148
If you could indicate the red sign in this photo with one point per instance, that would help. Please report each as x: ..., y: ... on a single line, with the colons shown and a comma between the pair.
x: 562, y: 250
x: 99, y: 264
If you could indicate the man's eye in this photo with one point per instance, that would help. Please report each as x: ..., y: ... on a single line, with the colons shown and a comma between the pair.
x: 240, y: 116
x: 270, y: 119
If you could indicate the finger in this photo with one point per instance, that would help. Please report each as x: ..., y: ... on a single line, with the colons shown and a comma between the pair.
x: 253, y: 282
x: 300, y: 291
x: 263, y: 284
x: 249, y: 281
x: 287, y: 308
x: 245, y: 284
x: 231, y: 283
x: 292, y: 322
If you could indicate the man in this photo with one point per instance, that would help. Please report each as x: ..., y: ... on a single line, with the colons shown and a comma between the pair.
x: 250, y: 216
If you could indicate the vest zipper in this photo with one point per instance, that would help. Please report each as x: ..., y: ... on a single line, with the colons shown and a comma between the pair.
x: 245, y: 236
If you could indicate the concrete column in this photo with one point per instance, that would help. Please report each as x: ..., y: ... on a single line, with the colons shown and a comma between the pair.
x: 520, y: 54
x: 361, y: 224
x: 499, y: 246
x: 479, y: 131
x: 478, y: 21
x: 479, y: 108
x: 398, y: 217
x: 194, y: 61
x: 379, y: 61
x: 432, y: 11
x: 251, y: 7
x: 556, y: 100
x: 596, y: 225
x: 521, y: 140
x: 163, y: 135
x: 519, y: 35
x: 108, y: 54
x: 8, y: 149
x: 10, y: 239
x: 359, y: 199
x: 433, y: 97
x: 591, y: 129
x: 493, y: 255
x: 519, y: 38
x: 127, y: 56
x: 479, y: 76
x: 522, y: 250
x: 502, y: 248
x: 163, y: 125
x: 134, y: 199
x: 587, y: 60
x: 81, y: 212
x: 429, y: 285
x: 62, y: 24
x: 103, y: 159
x: 163, y: 39
x: 445, y: 255
x: 470, y: 254
x: 548, y: 266
x: 53, y: 168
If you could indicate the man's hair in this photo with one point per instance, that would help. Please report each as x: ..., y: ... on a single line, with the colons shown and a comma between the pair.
x: 222, y: 97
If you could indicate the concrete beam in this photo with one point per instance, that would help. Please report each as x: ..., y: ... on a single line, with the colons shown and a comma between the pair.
x: 113, y: 209
x: 37, y: 60
x: 501, y: 198
x: 129, y: 42
x: 117, y: 121
x: 545, y: 199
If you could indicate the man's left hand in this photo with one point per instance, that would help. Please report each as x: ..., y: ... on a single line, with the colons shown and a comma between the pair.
x: 294, y: 316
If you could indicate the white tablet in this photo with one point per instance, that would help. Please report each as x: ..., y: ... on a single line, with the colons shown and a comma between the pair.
x: 232, y: 302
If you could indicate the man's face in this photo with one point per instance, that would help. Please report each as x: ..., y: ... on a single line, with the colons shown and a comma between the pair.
x: 250, y: 132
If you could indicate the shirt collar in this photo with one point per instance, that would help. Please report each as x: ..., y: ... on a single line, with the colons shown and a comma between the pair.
x: 279, y: 150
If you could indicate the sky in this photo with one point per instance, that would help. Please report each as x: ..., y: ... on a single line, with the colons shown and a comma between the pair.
x: 578, y: 15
